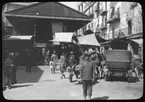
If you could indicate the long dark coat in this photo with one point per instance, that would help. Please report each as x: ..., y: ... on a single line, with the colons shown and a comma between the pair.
x: 87, y: 70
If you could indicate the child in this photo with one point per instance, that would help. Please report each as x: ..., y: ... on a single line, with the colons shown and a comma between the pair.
x: 51, y: 65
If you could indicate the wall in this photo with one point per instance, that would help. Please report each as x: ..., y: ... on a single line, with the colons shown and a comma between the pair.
x: 137, y: 26
x: 56, y: 27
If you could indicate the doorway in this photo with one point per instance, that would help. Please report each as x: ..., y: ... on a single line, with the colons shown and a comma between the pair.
x: 43, y: 31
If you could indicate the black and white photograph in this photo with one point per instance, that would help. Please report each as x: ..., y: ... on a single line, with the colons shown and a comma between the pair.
x: 72, y: 50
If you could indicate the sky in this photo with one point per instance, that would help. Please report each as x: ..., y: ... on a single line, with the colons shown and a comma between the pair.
x: 71, y: 4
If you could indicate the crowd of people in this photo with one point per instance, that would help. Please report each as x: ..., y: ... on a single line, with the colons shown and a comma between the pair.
x: 92, y: 65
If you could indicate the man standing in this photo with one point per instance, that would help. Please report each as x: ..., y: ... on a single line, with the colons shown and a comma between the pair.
x: 7, y: 72
x: 14, y: 70
x: 47, y: 57
x: 62, y: 65
x: 43, y: 54
x: 54, y: 58
x: 29, y: 62
x: 87, y: 74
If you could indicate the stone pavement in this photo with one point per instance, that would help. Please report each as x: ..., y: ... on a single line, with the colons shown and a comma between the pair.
x: 40, y: 84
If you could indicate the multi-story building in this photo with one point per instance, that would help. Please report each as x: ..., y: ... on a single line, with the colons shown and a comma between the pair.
x: 112, y: 19
x: 9, y: 7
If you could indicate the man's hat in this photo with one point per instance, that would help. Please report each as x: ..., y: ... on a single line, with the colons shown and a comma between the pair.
x: 136, y: 57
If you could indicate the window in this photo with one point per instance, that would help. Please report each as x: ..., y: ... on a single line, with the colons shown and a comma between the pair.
x: 112, y: 12
x: 129, y: 28
x: 79, y: 8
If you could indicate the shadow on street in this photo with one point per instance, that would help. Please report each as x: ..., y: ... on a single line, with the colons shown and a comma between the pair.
x: 47, y: 80
x: 101, y: 98
x: 29, y: 77
x: 17, y: 86
x: 124, y: 79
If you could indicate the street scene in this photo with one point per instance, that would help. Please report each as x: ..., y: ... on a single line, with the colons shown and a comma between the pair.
x: 40, y: 84
x: 72, y: 51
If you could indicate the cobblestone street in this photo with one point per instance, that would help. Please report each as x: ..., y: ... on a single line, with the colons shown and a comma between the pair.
x: 40, y: 84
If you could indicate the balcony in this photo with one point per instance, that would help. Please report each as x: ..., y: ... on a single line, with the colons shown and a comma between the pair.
x: 97, y: 30
x: 97, y: 8
x: 103, y: 26
x: 134, y: 4
x: 114, y: 18
x: 103, y: 11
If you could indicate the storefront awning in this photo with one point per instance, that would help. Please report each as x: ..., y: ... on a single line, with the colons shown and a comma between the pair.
x: 19, y: 38
x: 88, y: 40
x: 63, y: 37
x: 17, y: 43
x: 139, y: 41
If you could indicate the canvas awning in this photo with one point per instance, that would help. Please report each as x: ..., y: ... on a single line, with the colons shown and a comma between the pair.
x: 19, y: 38
x: 63, y: 37
x: 88, y: 40
x: 139, y: 41
x: 17, y: 43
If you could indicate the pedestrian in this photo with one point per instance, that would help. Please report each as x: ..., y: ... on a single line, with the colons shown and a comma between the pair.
x: 62, y: 62
x: 7, y: 72
x: 51, y: 65
x: 54, y: 58
x: 43, y: 54
x: 95, y: 58
x: 87, y: 74
x: 136, y: 64
x: 47, y: 57
x: 29, y: 62
x: 14, y: 70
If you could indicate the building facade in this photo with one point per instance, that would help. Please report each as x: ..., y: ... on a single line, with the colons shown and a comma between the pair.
x: 9, y: 7
x: 112, y: 19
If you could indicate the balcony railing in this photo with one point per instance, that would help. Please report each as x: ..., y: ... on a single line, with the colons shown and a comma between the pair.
x: 103, y: 26
x: 115, y: 17
x: 97, y: 29
x: 103, y: 11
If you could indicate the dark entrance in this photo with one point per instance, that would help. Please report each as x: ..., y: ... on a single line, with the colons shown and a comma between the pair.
x: 43, y: 31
